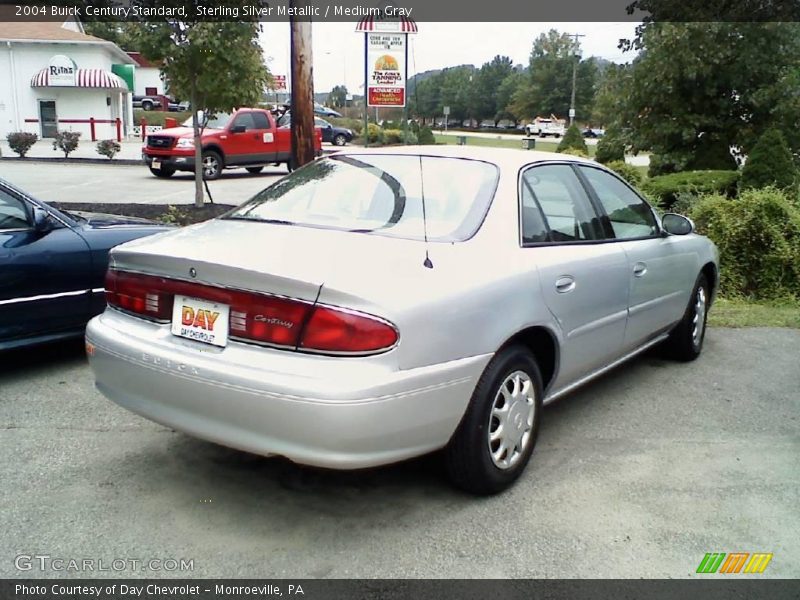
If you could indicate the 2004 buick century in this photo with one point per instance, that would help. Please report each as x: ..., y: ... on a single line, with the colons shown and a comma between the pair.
x: 378, y: 305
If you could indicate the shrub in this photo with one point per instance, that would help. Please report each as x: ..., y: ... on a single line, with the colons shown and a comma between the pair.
x: 66, y: 141
x: 573, y: 139
x: 666, y: 188
x: 425, y: 136
x: 108, y: 148
x: 770, y: 163
x: 21, y: 141
x: 355, y: 125
x: 610, y: 148
x: 628, y: 172
x: 758, y: 236
x: 576, y: 152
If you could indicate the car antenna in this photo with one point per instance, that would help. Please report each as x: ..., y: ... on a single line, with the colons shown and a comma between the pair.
x: 427, y: 262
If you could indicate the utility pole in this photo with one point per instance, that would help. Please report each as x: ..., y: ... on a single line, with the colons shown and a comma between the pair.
x: 303, y: 132
x: 576, y: 58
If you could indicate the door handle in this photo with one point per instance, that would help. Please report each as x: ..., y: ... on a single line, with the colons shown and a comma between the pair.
x: 565, y: 283
x: 639, y: 269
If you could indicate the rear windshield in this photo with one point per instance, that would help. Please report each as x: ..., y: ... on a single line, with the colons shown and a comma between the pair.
x: 381, y: 194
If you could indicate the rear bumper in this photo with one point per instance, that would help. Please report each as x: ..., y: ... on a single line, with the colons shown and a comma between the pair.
x: 331, y: 412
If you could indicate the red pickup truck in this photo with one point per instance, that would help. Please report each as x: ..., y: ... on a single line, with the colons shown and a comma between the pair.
x: 248, y: 138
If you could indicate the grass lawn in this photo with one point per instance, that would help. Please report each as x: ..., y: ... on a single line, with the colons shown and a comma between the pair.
x: 741, y: 313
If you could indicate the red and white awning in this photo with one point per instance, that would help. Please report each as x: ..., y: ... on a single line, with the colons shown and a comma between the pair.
x: 84, y: 78
x: 396, y: 25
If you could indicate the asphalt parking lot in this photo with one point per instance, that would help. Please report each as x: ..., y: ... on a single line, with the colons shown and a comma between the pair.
x: 81, y: 182
x: 636, y: 475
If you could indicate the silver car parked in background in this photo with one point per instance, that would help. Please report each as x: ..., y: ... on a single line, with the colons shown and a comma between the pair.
x: 378, y: 305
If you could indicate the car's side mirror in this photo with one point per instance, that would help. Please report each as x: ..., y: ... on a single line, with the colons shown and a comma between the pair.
x: 677, y: 224
x: 238, y: 129
x: 41, y: 220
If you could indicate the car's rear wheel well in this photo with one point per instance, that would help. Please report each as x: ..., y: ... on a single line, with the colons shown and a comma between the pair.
x: 710, y: 271
x: 542, y: 344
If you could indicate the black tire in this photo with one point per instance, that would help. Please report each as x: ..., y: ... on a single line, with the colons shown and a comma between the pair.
x: 685, y: 342
x: 255, y: 170
x: 339, y: 139
x: 468, y: 458
x: 163, y: 172
x: 290, y: 165
x: 147, y: 105
x: 212, y: 165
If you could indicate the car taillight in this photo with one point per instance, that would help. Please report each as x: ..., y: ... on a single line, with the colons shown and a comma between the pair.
x: 138, y: 294
x: 257, y: 317
x: 333, y: 330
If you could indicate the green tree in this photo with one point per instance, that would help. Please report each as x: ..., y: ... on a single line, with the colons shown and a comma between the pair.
x: 122, y: 33
x: 338, y: 96
x: 549, y: 84
x: 457, y: 92
x: 505, y: 95
x: 770, y: 163
x: 217, y: 66
x: 698, y: 89
x: 487, y: 85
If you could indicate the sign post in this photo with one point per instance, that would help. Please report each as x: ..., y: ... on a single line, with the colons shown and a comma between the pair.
x: 385, y: 62
x: 446, y: 118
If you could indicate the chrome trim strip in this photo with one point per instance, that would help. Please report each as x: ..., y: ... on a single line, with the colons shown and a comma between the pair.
x: 42, y: 297
x: 601, y: 322
x: 101, y: 290
x: 608, y: 367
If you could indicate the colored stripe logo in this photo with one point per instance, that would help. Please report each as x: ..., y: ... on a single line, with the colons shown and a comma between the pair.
x: 735, y: 562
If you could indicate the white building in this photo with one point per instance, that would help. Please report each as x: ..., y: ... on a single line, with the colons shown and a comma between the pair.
x: 54, y: 77
x: 148, y: 77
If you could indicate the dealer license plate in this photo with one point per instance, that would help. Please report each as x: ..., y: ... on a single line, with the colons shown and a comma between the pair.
x: 200, y: 320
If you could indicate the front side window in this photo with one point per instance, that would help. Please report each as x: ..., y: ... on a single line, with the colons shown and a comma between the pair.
x: 381, y: 194
x: 629, y: 215
x: 12, y: 212
x: 565, y: 208
x: 245, y: 120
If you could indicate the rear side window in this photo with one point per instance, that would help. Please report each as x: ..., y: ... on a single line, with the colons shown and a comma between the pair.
x: 564, y: 208
x: 629, y: 215
x: 381, y: 194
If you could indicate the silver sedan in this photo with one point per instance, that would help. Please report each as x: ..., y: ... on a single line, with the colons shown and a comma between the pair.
x: 379, y: 305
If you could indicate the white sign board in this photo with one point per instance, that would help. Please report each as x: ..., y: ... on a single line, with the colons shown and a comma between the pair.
x: 386, y: 69
x: 446, y: 110
x: 61, y: 71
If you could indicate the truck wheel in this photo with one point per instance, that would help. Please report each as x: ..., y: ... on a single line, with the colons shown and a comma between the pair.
x: 339, y: 140
x: 147, y: 105
x: 290, y: 165
x: 255, y: 170
x: 163, y: 172
x: 212, y: 164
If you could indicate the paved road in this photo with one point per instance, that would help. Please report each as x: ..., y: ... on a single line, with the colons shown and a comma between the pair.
x: 118, y: 183
x: 637, y: 475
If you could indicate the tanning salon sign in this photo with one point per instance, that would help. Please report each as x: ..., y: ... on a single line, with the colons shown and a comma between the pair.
x: 386, y: 63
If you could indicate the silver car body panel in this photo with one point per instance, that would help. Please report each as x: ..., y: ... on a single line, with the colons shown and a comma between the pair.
x: 352, y: 412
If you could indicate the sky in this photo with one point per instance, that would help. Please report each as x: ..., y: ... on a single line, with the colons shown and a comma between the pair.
x: 339, y: 50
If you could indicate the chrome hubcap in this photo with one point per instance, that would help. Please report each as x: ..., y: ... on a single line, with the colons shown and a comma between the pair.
x: 209, y: 165
x: 699, y: 320
x: 511, y: 420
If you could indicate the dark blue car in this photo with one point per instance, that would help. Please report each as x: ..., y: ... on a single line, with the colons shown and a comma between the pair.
x: 52, y: 266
